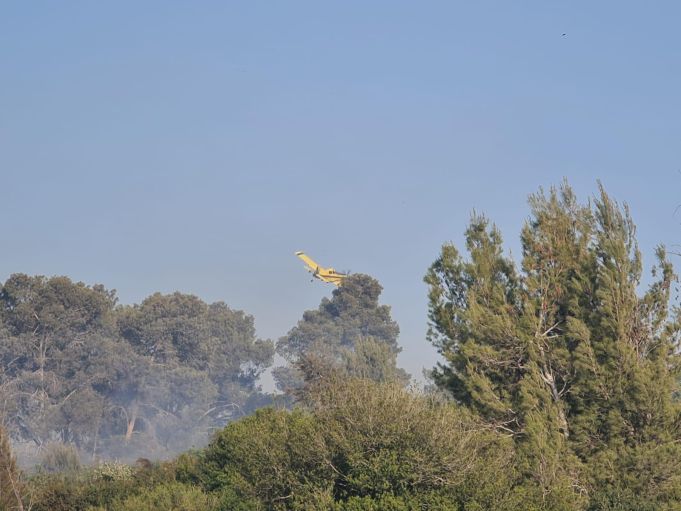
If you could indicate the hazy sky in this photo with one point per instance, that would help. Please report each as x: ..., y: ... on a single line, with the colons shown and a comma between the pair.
x: 194, y: 146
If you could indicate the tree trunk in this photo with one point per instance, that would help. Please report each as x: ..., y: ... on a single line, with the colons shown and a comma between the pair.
x: 550, y: 381
x: 132, y: 418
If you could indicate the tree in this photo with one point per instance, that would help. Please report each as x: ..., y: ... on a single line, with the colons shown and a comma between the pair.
x: 562, y: 354
x: 351, y: 329
x: 50, y: 329
x: 373, y: 360
x: 180, y: 330
x: 77, y: 368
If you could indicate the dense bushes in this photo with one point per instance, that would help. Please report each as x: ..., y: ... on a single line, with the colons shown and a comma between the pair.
x: 356, y: 445
x: 363, y: 444
x: 274, y: 456
x: 168, y: 497
x: 92, y: 487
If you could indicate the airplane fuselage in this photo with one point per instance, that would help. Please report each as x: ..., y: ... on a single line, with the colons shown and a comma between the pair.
x: 329, y: 275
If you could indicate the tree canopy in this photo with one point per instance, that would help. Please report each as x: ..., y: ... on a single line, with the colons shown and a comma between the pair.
x: 557, y: 390
x: 352, y: 330
x: 77, y: 367
x: 562, y: 353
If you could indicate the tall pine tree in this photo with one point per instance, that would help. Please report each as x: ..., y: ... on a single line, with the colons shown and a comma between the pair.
x: 563, y: 354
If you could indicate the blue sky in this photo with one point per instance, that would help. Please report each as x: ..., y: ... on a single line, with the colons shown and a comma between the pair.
x: 194, y: 146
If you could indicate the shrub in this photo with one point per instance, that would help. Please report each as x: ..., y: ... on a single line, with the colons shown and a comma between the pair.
x: 95, y: 487
x: 169, y: 497
x: 359, y: 442
x: 274, y: 456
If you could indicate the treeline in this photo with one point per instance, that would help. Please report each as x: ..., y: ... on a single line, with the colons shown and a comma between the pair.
x: 151, y: 378
x: 558, y: 390
x: 154, y: 379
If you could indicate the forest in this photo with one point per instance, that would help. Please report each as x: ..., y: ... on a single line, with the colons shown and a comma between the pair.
x: 557, y: 387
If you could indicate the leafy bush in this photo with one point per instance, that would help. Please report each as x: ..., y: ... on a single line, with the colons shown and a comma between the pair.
x: 112, y: 472
x: 360, y: 442
x: 169, y: 497
x: 275, y: 456
x: 93, y: 487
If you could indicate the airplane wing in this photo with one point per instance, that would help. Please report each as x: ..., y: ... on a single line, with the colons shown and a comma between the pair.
x: 313, y: 267
x: 324, y: 274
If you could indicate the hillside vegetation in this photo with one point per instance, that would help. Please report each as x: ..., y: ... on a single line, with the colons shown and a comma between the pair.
x: 557, y: 388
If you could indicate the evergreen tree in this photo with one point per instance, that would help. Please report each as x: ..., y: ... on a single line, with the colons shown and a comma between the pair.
x: 351, y: 330
x: 562, y: 353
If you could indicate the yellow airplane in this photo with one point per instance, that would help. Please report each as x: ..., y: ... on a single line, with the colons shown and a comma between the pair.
x: 323, y: 274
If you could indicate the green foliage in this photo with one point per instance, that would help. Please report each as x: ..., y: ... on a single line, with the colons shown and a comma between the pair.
x: 75, y: 492
x: 274, y: 456
x: 360, y: 443
x: 352, y: 313
x: 112, y: 472
x: 51, y: 328
x: 351, y: 332
x: 374, y: 360
x: 101, y: 486
x: 560, y: 375
x: 389, y: 502
x: 183, y: 329
x: 169, y: 497
x: 149, y: 379
x: 387, y: 441
x: 562, y: 353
